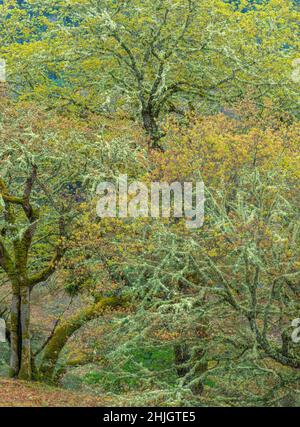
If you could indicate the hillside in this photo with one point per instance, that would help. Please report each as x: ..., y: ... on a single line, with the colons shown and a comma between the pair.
x: 23, y: 394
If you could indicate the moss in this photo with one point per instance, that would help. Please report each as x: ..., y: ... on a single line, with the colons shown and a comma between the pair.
x: 67, y: 328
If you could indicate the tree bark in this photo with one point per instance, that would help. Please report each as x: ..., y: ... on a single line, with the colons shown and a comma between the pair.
x: 66, y: 329
x: 20, y: 345
x: 15, y: 334
x: 151, y: 127
x: 25, y: 368
x: 187, y: 361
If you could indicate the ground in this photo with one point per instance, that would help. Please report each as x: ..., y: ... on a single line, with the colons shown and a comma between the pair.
x: 23, y: 394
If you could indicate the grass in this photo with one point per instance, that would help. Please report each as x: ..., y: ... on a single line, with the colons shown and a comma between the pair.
x: 144, y: 366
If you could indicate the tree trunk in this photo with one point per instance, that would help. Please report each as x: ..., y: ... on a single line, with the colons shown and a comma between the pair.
x: 15, y: 334
x: 66, y: 329
x: 182, y: 356
x: 152, y: 128
x: 25, y: 369
x: 20, y: 347
x: 185, y: 362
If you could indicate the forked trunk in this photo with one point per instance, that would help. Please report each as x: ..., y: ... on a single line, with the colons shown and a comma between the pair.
x: 152, y: 128
x: 20, y: 351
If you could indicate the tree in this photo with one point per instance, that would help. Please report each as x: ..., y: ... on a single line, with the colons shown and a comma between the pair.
x: 33, y: 224
x: 45, y: 195
x: 14, y: 262
x: 254, y: 273
x: 221, y: 298
x: 155, y: 57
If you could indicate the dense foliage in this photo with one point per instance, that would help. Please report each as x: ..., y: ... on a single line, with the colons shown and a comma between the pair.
x: 145, y: 309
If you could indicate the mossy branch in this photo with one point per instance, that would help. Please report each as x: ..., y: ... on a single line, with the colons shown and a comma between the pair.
x: 67, y: 328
